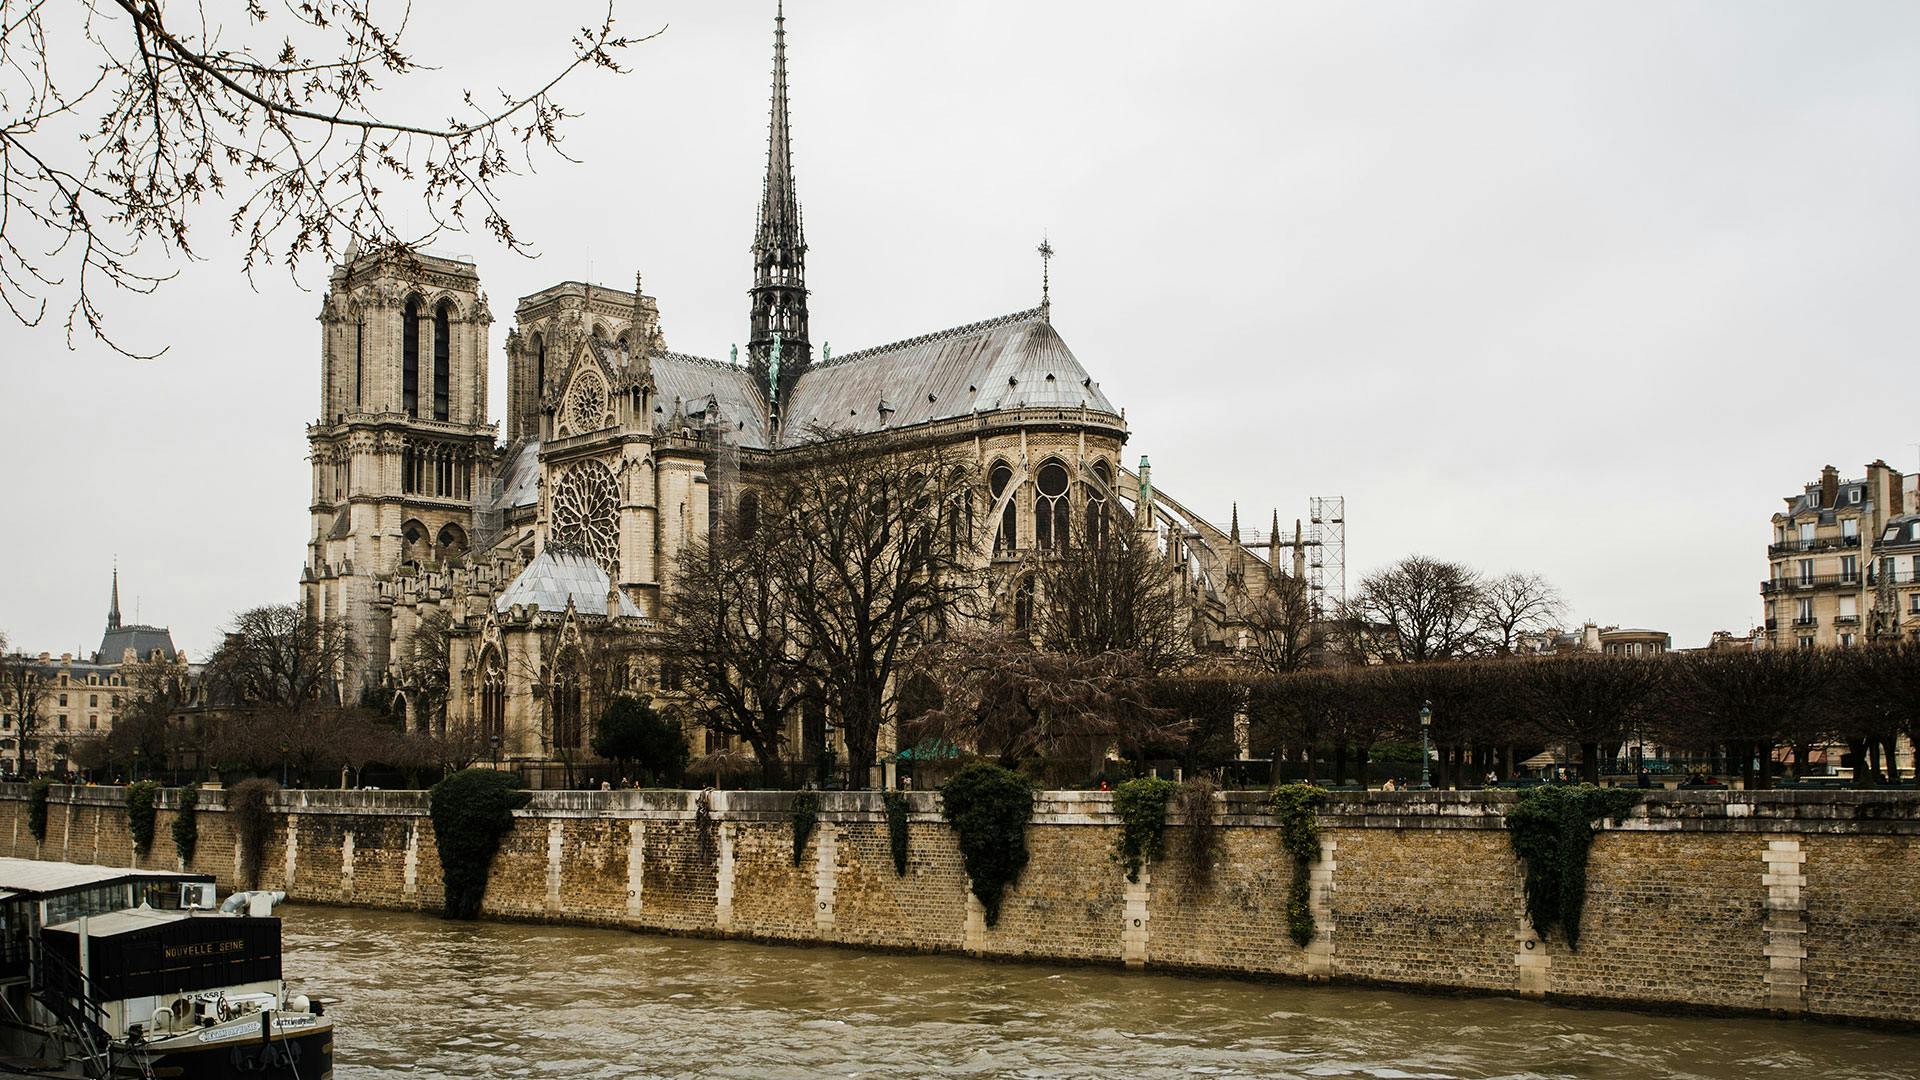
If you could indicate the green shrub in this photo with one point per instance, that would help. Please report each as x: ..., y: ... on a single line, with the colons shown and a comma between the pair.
x: 989, y: 808
x: 471, y: 811
x: 1295, y: 806
x: 806, y: 813
x: 143, y: 797
x: 896, y: 804
x: 251, y: 804
x: 37, y: 795
x: 186, y: 825
x: 1551, y: 829
x: 631, y: 732
x: 1142, y: 806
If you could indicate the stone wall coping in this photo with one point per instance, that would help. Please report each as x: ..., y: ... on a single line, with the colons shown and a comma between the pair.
x: 1881, y: 813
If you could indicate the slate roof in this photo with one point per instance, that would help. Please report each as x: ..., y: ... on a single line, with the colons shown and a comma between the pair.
x: 1011, y: 362
x: 698, y: 383
x: 1014, y: 361
x: 558, y: 575
x: 520, y: 479
x: 143, y: 640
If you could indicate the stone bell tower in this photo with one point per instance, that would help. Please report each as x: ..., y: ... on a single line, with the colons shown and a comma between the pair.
x: 402, y: 439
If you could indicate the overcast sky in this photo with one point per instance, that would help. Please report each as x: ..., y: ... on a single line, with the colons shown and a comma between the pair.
x: 1578, y: 289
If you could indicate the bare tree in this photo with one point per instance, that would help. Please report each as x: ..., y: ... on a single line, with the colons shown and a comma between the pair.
x: 1006, y: 700
x: 729, y: 631
x: 122, y: 123
x: 878, y: 561
x: 1111, y: 590
x: 278, y: 658
x: 1416, y: 610
x: 1513, y: 603
x: 1594, y: 702
x: 26, y: 697
x: 421, y: 669
x: 1282, y: 634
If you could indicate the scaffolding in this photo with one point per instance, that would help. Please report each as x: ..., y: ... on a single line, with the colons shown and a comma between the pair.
x: 1327, y: 555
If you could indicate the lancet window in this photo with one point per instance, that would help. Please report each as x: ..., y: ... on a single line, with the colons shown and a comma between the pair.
x: 410, y: 357
x: 1050, y: 506
x: 1006, y: 536
x: 442, y: 361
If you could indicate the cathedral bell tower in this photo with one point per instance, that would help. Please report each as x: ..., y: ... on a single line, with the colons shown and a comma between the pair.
x: 402, y: 439
x: 779, y: 293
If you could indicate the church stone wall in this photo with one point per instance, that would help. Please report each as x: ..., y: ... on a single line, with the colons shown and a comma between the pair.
x: 1766, y: 901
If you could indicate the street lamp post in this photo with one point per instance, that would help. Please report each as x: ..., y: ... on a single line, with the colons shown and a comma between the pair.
x: 493, y: 751
x: 1426, y: 727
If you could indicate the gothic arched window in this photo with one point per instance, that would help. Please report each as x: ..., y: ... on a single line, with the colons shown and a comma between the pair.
x: 749, y: 515
x: 453, y: 540
x: 539, y: 368
x: 442, y: 360
x: 1023, y: 606
x: 566, y: 706
x: 1097, y: 504
x: 1006, y: 537
x: 493, y: 698
x: 1050, y: 506
x: 410, y: 357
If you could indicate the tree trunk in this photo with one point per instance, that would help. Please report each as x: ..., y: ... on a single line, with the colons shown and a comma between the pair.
x: 1360, y: 764
x: 1862, y: 775
x: 1339, y: 763
x: 1802, y: 760
x: 1590, y: 762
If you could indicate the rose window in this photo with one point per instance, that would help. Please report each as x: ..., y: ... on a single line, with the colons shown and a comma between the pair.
x: 585, y: 512
x: 586, y: 403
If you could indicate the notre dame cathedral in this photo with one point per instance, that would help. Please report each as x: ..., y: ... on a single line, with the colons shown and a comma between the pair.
x: 619, y: 452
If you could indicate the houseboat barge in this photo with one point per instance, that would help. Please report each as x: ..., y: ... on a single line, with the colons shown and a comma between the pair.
x: 109, y: 972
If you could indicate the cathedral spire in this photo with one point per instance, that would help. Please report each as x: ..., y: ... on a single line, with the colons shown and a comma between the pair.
x: 113, y: 610
x: 779, y: 292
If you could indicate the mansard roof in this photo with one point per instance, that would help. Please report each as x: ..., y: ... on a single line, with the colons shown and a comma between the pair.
x: 1012, y: 362
x: 558, y: 576
x: 143, y: 640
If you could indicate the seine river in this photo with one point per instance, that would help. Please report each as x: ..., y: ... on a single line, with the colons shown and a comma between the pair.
x: 420, y: 997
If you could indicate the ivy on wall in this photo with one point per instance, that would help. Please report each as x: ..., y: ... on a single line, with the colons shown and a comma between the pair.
x: 1296, y: 808
x: 703, y: 835
x: 1551, y: 829
x: 1195, y: 805
x: 251, y: 803
x: 989, y: 808
x: 143, y: 797
x: 186, y: 825
x: 472, y: 810
x: 806, y: 814
x: 896, y: 804
x: 38, y: 793
x: 1142, y: 806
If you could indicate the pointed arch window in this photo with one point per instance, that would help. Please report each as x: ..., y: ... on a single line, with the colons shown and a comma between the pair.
x: 442, y: 360
x: 1050, y: 519
x: 410, y: 357
x: 1006, y: 536
x: 749, y: 515
x: 359, y: 357
x: 493, y: 698
x: 539, y: 368
x: 1023, y: 606
x: 1097, y: 516
x: 567, y: 729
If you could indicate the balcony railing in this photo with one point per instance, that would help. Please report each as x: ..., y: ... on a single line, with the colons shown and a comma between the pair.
x: 1809, y: 584
x: 1806, y: 622
x: 1823, y: 543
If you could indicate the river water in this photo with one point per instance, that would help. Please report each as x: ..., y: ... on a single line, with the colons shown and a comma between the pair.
x: 421, y: 997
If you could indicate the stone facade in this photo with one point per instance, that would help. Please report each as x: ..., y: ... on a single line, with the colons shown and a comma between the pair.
x: 622, y: 453
x: 1844, y: 564
x: 1782, y: 902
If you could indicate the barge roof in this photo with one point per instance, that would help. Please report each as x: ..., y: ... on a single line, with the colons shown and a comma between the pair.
x: 33, y: 877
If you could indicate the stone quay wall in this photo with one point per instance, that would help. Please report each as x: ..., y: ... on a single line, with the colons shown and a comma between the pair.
x: 1798, y: 903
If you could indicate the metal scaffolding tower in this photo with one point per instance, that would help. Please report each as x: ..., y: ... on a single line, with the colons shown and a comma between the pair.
x: 1327, y: 543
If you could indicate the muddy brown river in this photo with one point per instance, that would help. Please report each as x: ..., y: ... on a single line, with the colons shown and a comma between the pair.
x: 423, y: 998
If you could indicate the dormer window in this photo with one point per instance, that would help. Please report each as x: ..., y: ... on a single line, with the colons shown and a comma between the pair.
x: 1854, y: 495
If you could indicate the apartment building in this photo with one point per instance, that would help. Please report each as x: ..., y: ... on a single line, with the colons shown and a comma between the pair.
x: 1844, y: 562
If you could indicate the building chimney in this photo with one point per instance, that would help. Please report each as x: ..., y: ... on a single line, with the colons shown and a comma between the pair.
x: 1829, y: 487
